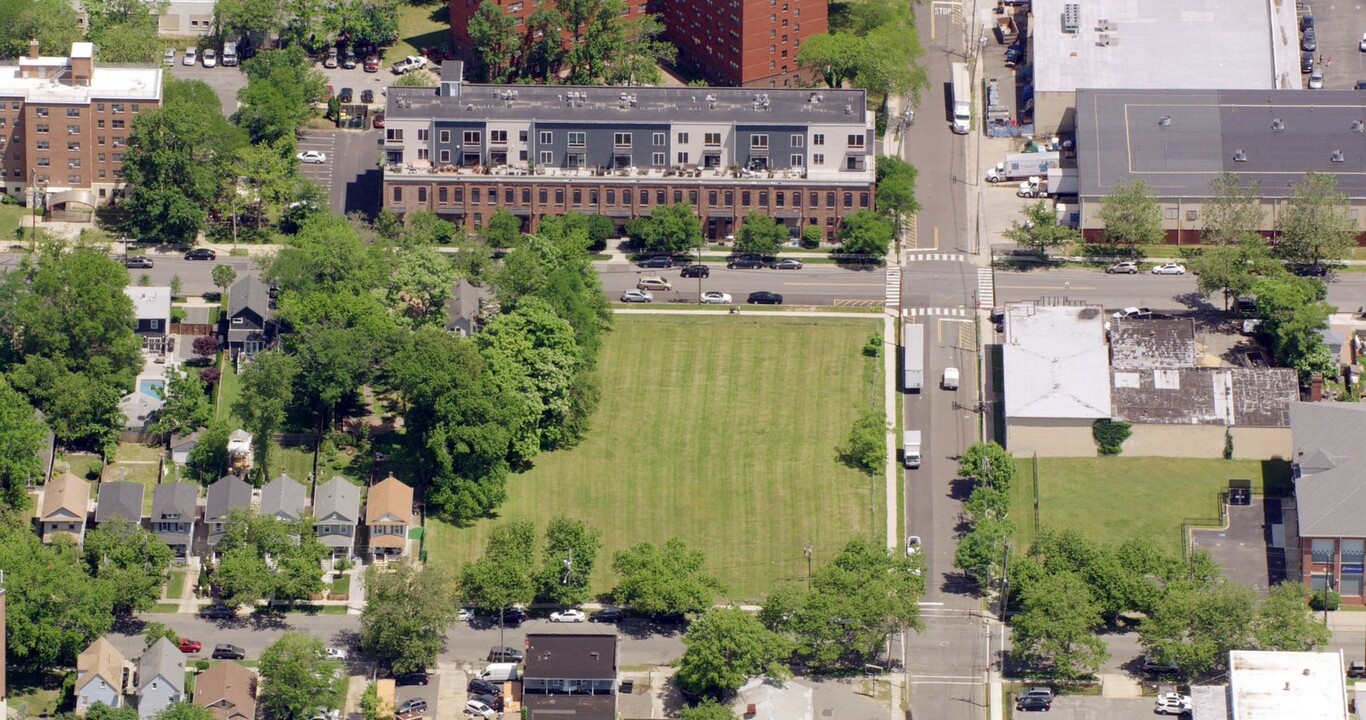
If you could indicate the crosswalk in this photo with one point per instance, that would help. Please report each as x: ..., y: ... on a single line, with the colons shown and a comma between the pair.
x: 935, y: 312
x: 916, y: 256
x: 893, y: 287
x: 986, y: 288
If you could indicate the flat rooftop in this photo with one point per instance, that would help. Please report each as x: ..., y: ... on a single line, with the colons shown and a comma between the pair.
x: 602, y: 104
x: 1166, y: 44
x: 1179, y: 140
x: 106, y: 82
x: 1057, y: 364
x: 1266, y: 685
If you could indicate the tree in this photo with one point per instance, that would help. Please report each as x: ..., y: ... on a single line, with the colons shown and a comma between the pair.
x: 154, y: 631
x: 420, y: 284
x: 835, y: 57
x: 248, y: 18
x: 596, y: 37
x: 131, y: 41
x: 658, y: 580
x: 209, y: 458
x: 504, y: 229
x: 267, y: 386
x: 1131, y: 217
x: 866, y: 446
x: 297, y: 679
x: 1234, y: 215
x: 99, y: 711
x: 600, y: 229
x: 495, y: 38
x: 896, y: 187
x: 407, y: 612
x: 989, y: 464
x: 1041, y: 230
x: 185, y: 407
x: 640, y: 54
x: 708, y: 709
x: 1293, y: 311
x: 282, y: 88
x: 370, y: 706
x: 1230, y: 269
x: 866, y: 233
x: 1195, y: 626
x: 1285, y: 623
x: 1056, y: 631
x: 669, y: 228
x: 760, y: 235
x: 205, y: 346
x: 571, y: 552
x: 1315, y: 226
x: 544, y: 50
x: 134, y: 561
x: 22, y: 436
x: 185, y: 710
x: 265, y: 557
x: 416, y: 78
x: 725, y: 648
x: 53, y: 609
x: 502, y: 577
x: 979, y: 553
x: 265, y: 181
x: 53, y: 23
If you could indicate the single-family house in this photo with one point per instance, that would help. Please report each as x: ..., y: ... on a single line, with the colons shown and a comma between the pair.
x: 152, y: 308
x: 182, y: 446
x: 284, y: 498
x: 227, y: 494
x: 464, y: 309
x: 174, y: 510
x: 251, y: 321
x: 228, y: 690
x: 570, y: 676
x: 388, y: 515
x: 119, y: 500
x: 66, y: 502
x: 336, y: 511
x: 100, y: 676
x: 161, y: 678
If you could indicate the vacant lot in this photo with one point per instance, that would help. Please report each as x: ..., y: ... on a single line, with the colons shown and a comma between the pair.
x: 1117, y: 498
x: 719, y: 430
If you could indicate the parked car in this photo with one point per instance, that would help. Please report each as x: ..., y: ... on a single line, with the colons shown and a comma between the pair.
x: 653, y: 283
x: 607, y: 615
x: 312, y: 157
x: 1130, y: 313
x: 572, y: 615
x: 1033, y: 703
x: 658, y: 262
x: 514, y: 615
x: 213, y: 612
x: 640, y: 296
x: 788, y: 264
x: 1356, y: 669
x: 412, y: 678
x: 1153, y: 667
x: 409, y: 64
x: 912, y: 545
x: 1169, y: 269
x: 137, y: 262
x: 745, y: 263
x: 465, y: 615
x: 1122, y: 268
x: 335, y: 654
x: 210, y: 57
x: 349, y: 60
x: 169, y: 58
x: 764, y: 297
x: 190, y: 646
x: 1309, y: 42
x: 493, y: 701
x: 1172, y: 704
x: 504, y: 654
x: 346, y: 96
x: 224, y: 651
x: 371, y: 63
x: 1015, y: 55
x: 191, y: 56
x: 1306, y: 22
x: 716, y: 297
x: 1038, y: 692
x: 480, y: 686
x: 479, y: 709
x: 1306, y: 63
x: 696, y: 271
x: 201, y: 254
x: 1362, y: 45
x: 413, y: 705
x: 1316, y: 79
x: 367, y: 96
x: 331, y: 60
x: 379, y: 120
x: 1361, y: 85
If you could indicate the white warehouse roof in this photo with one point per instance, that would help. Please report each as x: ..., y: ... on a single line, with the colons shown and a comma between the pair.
x: 1057, y: 364
x: 1266, y: 685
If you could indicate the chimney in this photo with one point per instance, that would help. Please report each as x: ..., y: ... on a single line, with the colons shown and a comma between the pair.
x: 33, y: 52
x: 1316, y: 388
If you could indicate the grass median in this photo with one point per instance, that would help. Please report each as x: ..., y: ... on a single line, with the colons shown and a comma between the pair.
x: 722, y: 431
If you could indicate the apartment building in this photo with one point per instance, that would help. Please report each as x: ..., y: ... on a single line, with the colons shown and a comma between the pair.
x: 464, y: 150
x: 729, y: 42
x: 64, y: 125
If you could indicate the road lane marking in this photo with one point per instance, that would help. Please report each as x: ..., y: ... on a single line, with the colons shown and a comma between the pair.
x: 1043, y: 287
x: 816, y: 284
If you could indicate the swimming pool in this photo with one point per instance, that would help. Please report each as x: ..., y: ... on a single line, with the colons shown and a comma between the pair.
x: 150, y: 387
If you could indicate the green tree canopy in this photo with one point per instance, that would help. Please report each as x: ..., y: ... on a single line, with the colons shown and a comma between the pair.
x: 1194, y: 626
x: 896, y: 187
x: 570, y: 555
x: 185, y: 406
x: 208, y: 460
x: 657, y: 580
x: 1286, y: 624
x: 760, y: 235
x: 669, y: 228
x: 1041, y: 230
x: 1057, y: 630
x: 265, y: 557
x: 282, y: 88
x: 708, y: 709
x: 504, y: 229
x: 503, y: 576
x: 495, y: 38
x: 1131, y: 217
x: 267, y: 386
x: 185, y: 710
x: 866, y: 233
x: 53, y: 609
x: 725, y: 648
x: 134, y: 561
x: 407, y: 612
x: 53, y: 23
x: 22, y: 437
x: 297, y: 678
x: 1315, y: 227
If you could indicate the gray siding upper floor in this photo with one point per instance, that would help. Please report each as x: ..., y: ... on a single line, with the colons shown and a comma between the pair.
x: 98, y: 691
x: 156, y: 696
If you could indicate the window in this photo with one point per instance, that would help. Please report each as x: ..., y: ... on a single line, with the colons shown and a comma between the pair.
x: 682, y: 138
x: 1191, y: 215
x: 393, y: 134
x: 1169, y: 213
x: 730, y: 198
x: 515, y: 7
x: 863, y: 200
x: 73, y: 129
x: 611, y: 197
x: 626, y: 196
x: 621, y: 139
x: 711, y: 198
x: 42, y: 128
x: 476, y: 194
x: 542, y: 196
x: 659, y: 197
x: 795, y: 160
x: 855, y: 141
x: 73, y: 163
x: 98, y: 123
x: 781, y: 199
x: 422, y: 153
x: 422, y: 194
x: 559, y: 196
x: 76, y: 112
x: 818, y: 159
x: 398, y: 194
x: 521, y: 155
x: 763, y: 197
x: 848, y: 200
x: 592, y: 196
x: 459, y: 195
x: 445, y: 156
x: 44, y: 162
x: 818, y: 139
x: 40, y: 112
x: 443, y: 194
x: 498, y: 137
x: 682, y: 158
x: 521, y: 136
x: 116, y: 108
x: 745, y: 198
x: 1353, y: 552
x: 1323, y: 550
x: 711, y: 139
x: 471, y: 137
x: 657, y: 139
x: 546, y: 137
x: 758, y: 142
x: 41, y: 145
x: 546, y: 157
x: 578, y: 197
x: 507, y: 195
x: 657, y: 159
x: 75, y: 180
x: 135, y: 109
x: 678, y: 196
x: 797, y: 140
x: 445, y: 136
x: 578, y: 139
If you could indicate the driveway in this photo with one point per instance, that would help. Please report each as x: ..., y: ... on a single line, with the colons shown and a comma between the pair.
x: 1251, y: 550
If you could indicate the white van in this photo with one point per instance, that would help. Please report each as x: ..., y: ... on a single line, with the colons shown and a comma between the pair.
x: 950, y: 380
x: 499, y: 672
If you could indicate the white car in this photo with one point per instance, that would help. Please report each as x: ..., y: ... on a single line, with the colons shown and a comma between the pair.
x: 191, y: 56
x: 465, y: 615
x: 641, y: 296
x: 169, y: 58
x: 335, y: 654
x: 1170, y: 269
x: 1132, y: 312
x: 1362, y: 45
x: 408, y: 64
x: 210, y: 58
x: 1172, y: 704
x: 572, y: 615
x: 912, y: 545
x: 474, y: 708
x: 715, y: 297
x: 314, y: 157
x: 1316, y: 79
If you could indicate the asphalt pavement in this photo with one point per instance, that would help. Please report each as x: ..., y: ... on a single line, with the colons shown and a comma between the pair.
x: 814, y: 284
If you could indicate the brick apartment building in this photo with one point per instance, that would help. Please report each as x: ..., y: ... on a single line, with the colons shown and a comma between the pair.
x: 464, y: 150
x: 64, y: 125
x: 750, y: 43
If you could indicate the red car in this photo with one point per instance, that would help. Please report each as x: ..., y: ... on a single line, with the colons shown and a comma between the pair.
x: 371, y: 63
x: 190, y: 646
x: 379, y: 120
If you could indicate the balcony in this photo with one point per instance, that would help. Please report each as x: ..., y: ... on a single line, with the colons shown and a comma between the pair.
x: 685, y: 172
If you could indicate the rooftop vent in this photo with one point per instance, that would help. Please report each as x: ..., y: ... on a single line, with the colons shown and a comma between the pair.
x: 848, y: 109
x: 1338, y: 156
x: 1358, y: 126
x: 711, y: 102
x: 1164, y: 121
x: 1277, y: 124
x: 1071, y: 18
x: 815, y: 98
x: 1239, y: 156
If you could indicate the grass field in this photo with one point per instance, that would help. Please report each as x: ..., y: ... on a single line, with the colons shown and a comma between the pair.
x: 175, y: 586
x: 1114, y: 499
x: 229, y: 389
x: 722, y: 431
x: 419, y: 26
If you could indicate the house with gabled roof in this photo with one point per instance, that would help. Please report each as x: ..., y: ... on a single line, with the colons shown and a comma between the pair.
x: 119, y: 500
x: 571, y: 676
x: 251, y: 321
x: 101, y: 674
x: 161, y: 678
x: 228, y: 690
x: 227, y: 494
x: 336, y: 511
x: 66, y: 502
x: 175, y: 507
x: 152, y: 310
x: 388, y: 516
x: 284, y: 498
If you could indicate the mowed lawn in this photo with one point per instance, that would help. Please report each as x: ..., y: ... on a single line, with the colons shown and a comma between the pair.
x: 719, y: 430
x: 1117, y: 498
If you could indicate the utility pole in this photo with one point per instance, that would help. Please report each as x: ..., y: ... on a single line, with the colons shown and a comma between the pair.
x: 808, y: 552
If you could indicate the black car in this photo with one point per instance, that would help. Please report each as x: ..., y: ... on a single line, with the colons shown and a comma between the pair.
x: 696, y: 271
x: 479, y: 686
x: 493, y: 701
x: 745, y: 263
x: 346, y: 96
x: 218, y: 612
x: 609, y: 615
x: 137, y: 261
x: 514, y: 616
x: 1014, y: 55
x: 764, y: 297
x: 504, y: 654
x: 1357, y: 669
x: 412, y: 678
x: 413, y: 705
x: 1033, y: 703
x: 1309, y: 42
x: 1361, y: 85
x: 1306, y: 22
x: 201, y: 254
x: 367, y: 95
x: 228, y: 652
x: 1309, y: 269
x: 658, y: 261
x: 1306, y: 62
x: 1153, y: 667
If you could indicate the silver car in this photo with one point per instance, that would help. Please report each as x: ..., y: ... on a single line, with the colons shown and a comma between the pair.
x: 637, y: 296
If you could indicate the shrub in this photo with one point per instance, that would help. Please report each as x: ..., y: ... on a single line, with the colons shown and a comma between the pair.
x: 866, y: 446
x: 812, y: 235
x: 1110, y: 436
x: 873, y: 348
x: 1316, y: 600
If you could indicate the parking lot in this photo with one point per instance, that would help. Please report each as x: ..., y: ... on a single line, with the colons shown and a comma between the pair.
x: 1252, y: 549
x: 1070, y: 707
x: 1339, y: 27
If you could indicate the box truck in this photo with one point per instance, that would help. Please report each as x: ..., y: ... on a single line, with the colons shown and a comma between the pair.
x: 910, y: 454
x: 950, y: 379
x: 1023, y: 165
x: 912, y: 357
x: 962, y: 98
